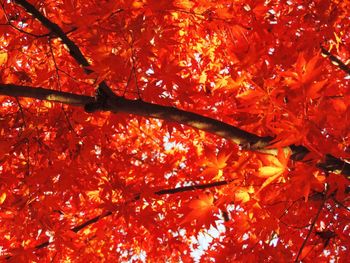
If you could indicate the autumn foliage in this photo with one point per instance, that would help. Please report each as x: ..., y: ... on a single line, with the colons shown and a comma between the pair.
x: 174, y: 131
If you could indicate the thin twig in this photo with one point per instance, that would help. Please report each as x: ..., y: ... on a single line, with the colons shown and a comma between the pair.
x: 55, y: 29
x: 22, y: 113
x: 136, y: 198
x: 133, y: 68
x: 311, y: 228
x: 9, y: 23
x: 336, y: 61
x: 55, y: 65
x: 28, y: 159
x: 74, y: 50
x: 128, y: 82
x: 340, y: 204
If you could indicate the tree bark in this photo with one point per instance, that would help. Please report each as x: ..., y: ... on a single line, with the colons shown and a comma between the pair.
x: 244, y: 139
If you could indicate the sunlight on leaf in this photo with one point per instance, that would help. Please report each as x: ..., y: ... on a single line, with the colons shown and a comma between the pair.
x: 201, y: 209
x: 276, y: 170
x: 185, y: 4
x: 3, y: 58
x: 214, y: 164
x: 2, y: 198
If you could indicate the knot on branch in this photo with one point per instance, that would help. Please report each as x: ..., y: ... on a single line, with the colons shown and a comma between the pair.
x: 100, y: 102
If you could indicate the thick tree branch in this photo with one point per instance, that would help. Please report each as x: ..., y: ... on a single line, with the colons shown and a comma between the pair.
x: 45, y: 94
x: 246, y: 140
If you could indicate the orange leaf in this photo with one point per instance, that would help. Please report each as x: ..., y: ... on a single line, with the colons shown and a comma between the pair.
x: 202, y: 209
x: 275, y: 168
x: 215, y: 164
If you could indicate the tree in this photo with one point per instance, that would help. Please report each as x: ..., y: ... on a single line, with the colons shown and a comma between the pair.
x: 133, y: 130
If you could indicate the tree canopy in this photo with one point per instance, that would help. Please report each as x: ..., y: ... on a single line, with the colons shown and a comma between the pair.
x: 174, y: 131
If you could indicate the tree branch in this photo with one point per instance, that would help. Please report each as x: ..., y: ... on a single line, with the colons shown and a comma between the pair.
x: 137, y: 197
x: 45, y: 94
x: 336, y: 61
x: 245, y: 139
x: 159, y: 193
x: 54, y: 28
x: 248, y: 141
x: 74, y: 50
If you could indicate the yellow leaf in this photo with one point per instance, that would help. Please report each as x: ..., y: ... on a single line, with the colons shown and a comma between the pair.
x: 3, y: 58
x: 222, y: 159
x: 185, y: 4
x: 94, y: 195
x: 137, y: 4
x: 242, y: 196
x: 203, y: 78
x: 268, y: 171
x: 47, y: 104
x: 86, y: 231
x: 274, y: 168
x: 219, y: 175
x: 215, y: 164
x: 2, y: 198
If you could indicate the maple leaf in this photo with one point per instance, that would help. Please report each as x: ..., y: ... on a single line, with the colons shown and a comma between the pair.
x: 201, y: 211
x: 338, y: 185
x: 214, y: 165
x: 307, y: 75
x: 307, y: 71
x: 304, y: 179
x: 276, y: 167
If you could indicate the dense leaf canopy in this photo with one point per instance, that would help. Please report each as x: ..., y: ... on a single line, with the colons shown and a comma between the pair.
x: 174, y: 131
